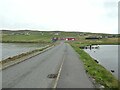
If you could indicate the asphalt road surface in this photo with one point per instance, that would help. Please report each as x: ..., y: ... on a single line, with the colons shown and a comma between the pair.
x: 32, y: 73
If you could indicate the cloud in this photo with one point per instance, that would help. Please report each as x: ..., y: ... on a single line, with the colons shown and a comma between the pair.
x: 67, y: 15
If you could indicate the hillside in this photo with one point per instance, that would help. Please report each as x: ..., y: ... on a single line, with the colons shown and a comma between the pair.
x: 29, y: 36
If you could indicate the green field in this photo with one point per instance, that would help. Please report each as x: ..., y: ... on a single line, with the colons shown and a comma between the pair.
x: 103, y: 41
x: 27, y: 36
x: 32, y: 36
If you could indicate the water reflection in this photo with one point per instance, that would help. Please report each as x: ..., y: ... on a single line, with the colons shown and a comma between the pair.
x: 106, y: 55
x: 12, y: 49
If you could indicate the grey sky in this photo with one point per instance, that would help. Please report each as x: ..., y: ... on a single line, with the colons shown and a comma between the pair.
x: 65, y: 15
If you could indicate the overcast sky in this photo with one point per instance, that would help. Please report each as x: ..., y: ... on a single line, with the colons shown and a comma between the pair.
x: 64, y: 15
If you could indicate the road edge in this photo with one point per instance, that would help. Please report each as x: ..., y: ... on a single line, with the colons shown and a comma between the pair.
x: 26, y: 58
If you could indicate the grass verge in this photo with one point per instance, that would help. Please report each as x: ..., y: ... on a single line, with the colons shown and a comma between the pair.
x: 23, y: 55
x: 95, y: 70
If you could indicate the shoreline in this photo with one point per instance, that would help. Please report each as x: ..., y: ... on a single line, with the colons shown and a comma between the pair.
x: 23, y: 42
x: 23, y: 56
x: 96, y: 71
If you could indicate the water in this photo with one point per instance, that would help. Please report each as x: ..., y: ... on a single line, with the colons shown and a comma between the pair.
x: 12, y: 49
x: 107, y: 55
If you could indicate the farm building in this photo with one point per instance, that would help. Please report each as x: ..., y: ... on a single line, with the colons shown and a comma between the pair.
x: 94, y: 37
x: 70, y: 39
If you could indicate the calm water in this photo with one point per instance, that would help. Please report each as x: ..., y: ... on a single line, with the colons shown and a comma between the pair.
x: 12, y: 49
x: 107, y: 55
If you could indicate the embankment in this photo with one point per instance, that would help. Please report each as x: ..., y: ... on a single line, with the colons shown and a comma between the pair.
x: 24, y: 56
x: 95, y: 70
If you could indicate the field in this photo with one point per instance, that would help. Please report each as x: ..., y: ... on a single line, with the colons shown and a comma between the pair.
x: 31, y: 36
x: 103, y: 41
x: 27, y: 36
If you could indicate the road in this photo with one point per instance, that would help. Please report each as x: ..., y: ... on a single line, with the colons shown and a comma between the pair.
x: 32, y: 73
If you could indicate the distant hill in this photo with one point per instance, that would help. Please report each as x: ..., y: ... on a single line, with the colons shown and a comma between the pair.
x: 30, y: 36
x: 21, y: 31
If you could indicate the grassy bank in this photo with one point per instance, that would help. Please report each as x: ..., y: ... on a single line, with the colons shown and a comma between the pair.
x: 95, y: 70
x: 22, y: 55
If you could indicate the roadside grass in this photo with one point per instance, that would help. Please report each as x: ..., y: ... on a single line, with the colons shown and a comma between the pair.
x: 95, y: 70
x: 9, y: 59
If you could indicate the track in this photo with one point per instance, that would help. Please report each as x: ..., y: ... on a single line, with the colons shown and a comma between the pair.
x: 32, y: 73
